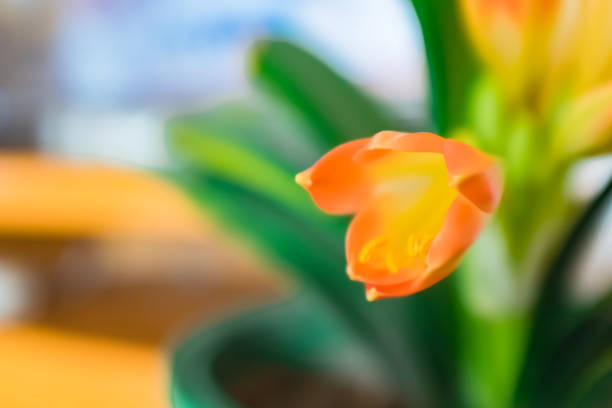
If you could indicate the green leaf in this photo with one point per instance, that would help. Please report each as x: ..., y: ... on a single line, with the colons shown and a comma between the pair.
x: 336, y: 109
x: 259, y: 126
x: 564, y: 339
x: 431, y: 320
x: 239, y: 145
x: 450, y: 60
x: 577, y: 363
x: 594, y: 389
x: 485, y: 115
x: 315, y: 254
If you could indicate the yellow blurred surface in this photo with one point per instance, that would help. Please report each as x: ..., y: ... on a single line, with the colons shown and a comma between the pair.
x: 128, y: 263
x: 108, y: 347
x: 47, y: 368
x: 42, y: 195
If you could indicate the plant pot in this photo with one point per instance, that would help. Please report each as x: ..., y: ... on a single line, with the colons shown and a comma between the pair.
x: 297, y: 353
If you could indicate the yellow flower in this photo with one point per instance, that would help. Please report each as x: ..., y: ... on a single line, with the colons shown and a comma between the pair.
x: 551, y: 57
x: 512, y: 37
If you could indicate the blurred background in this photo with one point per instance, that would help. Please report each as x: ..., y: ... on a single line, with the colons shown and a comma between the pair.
x: 104, y: 262
x: 116, y: 66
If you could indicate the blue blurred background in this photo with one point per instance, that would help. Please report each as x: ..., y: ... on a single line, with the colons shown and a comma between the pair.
x: 98, y: 77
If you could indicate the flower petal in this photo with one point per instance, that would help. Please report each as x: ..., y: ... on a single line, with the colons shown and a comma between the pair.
x: 464, y: 160
x: 336, y: 182
x: 407, y: 142
x: 483, y: 189
x: 424, y: 281
x: 474, y: 174
x: 585, y: 124
x: 461, y: 227
x: 514, y: 38
x: 421, y: 201
x: 462, y: 224
x: 368, y: 224
x: 461, y: 158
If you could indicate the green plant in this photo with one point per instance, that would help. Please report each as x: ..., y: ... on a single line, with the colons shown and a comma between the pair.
x: 239, y: 160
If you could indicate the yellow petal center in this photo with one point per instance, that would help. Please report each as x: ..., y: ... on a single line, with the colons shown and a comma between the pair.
x: 412, y: 195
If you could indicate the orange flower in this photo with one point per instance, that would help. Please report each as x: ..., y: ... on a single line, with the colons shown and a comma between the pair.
x: 420, y: 202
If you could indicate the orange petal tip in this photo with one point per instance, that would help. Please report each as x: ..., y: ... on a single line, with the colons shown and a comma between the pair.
x: 303, y: 179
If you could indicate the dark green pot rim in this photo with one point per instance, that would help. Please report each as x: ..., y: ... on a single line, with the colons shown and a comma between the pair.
x: 302, y: 333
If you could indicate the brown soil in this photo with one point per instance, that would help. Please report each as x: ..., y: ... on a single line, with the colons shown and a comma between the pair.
x: 274, y: 386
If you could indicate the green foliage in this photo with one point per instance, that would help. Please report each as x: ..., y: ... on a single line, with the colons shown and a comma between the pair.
x: 485, y: 115
x: 566, y: 341
x: 450, y: 61
x: 248, y: 186
x: 238, y: 162
x: 236, y: 152
x: 336, y: 109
